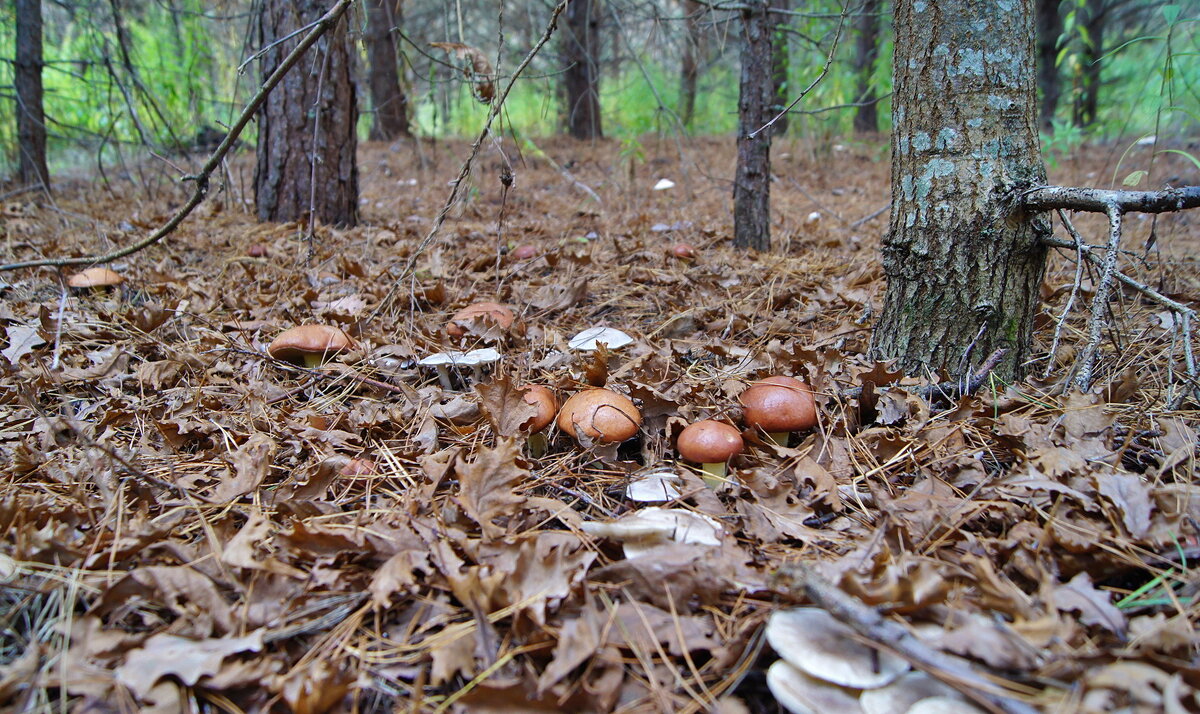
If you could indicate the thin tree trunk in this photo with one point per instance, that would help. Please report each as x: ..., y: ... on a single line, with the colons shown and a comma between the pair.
x: 752, y: 184
x: 780, y: 62
x: 1087, y: 100
x: 866, y: 51
x: 306, y: 128
x: 388, y: 99
x: 1049, y: 28
x: 581, y: 77
x: 963, y: 270
x: 689, y: 68
x: 27, y: 81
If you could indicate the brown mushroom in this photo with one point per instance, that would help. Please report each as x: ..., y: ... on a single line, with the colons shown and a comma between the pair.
x: 309, y: 345
x: 257, y: 250
x: 359, y: 466
x: 710, y: 443
x: 543, y: 399
x: 683, y: 251
x: 524, y: 252
x: 95, y: 279
x: 779, y: 405
x: 601, y: 415
x: 502, y: 315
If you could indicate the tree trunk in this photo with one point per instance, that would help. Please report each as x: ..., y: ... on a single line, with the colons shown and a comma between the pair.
x: 780, y: 60
x: 866, y: 51
x: 1049, y: 29
x: 582, y: 75
x: 388, y: 99
x: 963, y: 271
x: 27, y: 81
x: 689, y: 68
x: 306, y: 127
x: 752, y: 184
x: 1087, y: 99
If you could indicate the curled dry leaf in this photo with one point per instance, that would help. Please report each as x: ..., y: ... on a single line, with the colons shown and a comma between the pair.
x: 477, y: 68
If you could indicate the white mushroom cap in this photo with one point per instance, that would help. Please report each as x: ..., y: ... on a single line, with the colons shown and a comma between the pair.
x: 802, y: 694
x: 651, y: 527
x: 943, y: 705
x: 654, y: 487
x: 903, y: 693
x: 486, y: 355
x: 811, y: 639
x: 590, y: 339
x: 442, y: 358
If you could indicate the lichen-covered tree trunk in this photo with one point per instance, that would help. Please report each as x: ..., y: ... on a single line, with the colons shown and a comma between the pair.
x: 306, y: 127
x: 780, y: 64
x: 689, y: 66
x: 866, y: 51
x: 388, y: 99
x: 27, y: 82
x: 963, y: 269
x: 752, y: 182
x: 581, y: 77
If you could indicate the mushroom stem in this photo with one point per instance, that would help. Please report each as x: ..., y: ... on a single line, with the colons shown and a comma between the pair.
x: 779, y: 438
x: 444, y: 376
x: 313, y: 360
x: 538, y: 445
x: 477, y: 373
x: 714, y: 474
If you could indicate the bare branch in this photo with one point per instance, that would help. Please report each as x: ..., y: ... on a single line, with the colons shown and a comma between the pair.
x: 1046, y: 198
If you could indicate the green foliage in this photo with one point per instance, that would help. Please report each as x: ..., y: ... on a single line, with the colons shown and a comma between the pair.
x: 1063, y: 138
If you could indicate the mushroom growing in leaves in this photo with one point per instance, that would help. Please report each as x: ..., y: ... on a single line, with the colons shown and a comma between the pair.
x: 811, y: 640
x: 309, y: 345
x: 475, y: 359
x: 502, y: 315
x: 710, y: 443
x: 601, y: 415
x: 543, y: 399
x: 779, y: 405
x: 95, y: 279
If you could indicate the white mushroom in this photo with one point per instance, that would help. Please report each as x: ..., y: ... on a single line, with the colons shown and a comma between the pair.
x: 943, y: 705
x: 654, y: 487
x: 802, y: 694
x: 475, y: 359
x: 442, y: 361
x: 651, y: 527
x: 811, y: 639
x: 590, y: 339
x: 903, y: 693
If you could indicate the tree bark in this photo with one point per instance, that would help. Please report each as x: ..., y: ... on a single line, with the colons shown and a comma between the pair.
x: 1049, y: 29
x: 388, y: 99
x: 581, y: 79
x: 27, y: 81
x: 780, y: 62
x: 866, y: 51
x: 963, y: 267
x: 306, y: 127
x: 752, y: 183
x: 1087, y: 99
x: 689, y: 68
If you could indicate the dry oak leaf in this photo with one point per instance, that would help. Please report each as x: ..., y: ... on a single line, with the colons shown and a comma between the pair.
x: 243, y: 551
x: 539, y: 571
x: 1130, y: 494
x: 1094, y: 606
x: 578, y: 640
x: 187, y: 659
x: 22, y: 339
x: 477, y: 70
x: 251, y: 463
x: 317, y: 688
x: 188, y: 593
x: 505, y: 406
x: 486, y: 485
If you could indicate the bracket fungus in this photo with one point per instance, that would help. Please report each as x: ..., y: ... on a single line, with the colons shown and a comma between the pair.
x: 601, y: 415
x: 779, y: 405
x: 309, y: 345
x: 711, y: 444
x: 500, y: 315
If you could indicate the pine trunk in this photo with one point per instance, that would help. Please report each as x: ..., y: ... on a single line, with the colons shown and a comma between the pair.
x: 866, y: 51
x: 27, y: 81
x: 689, y: 68
x: 752, y: 184
x: 306, y: 127
x: 581, y: 77
x: 780, y: 62
x: 963, y: 270
x: 387, y: 95
x: 1049, y: 28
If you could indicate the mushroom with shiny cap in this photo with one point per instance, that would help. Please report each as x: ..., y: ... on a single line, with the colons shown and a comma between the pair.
x: 810, y: 639
x: 590, y: 339
x: 779, y: 405
x: 502, y: 315
x: 600, y: 415
x: 309, y: 345
x: 710, y: 443
x: 541, y: 398
x: 800, y: 693
x: 95, y: 279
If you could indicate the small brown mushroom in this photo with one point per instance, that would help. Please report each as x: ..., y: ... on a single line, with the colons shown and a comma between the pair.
x: 257, y: 250
x: 710, y: 443
x: 524, y: 252
x: 779, y: 405
x: 95, y: 279
x: 359, y: 466
x: 683, y: 251
x: 601, y: 415
x: 543, y: 399
x: 309, y: 345
x: 502, y: 315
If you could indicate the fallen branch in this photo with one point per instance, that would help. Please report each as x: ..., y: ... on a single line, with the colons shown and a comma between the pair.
x: 321, y: 26
x: 1095, y: 200
x: 891, y: 636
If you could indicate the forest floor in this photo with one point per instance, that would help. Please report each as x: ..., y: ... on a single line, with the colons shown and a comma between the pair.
x: 183, y: 529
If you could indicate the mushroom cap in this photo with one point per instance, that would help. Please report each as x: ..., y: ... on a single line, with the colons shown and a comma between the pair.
x: 779, y: 404
x: 906, y: 691
x: 590, y: 339
x: 292, y: 345
x: 800, y: 693
x: 810, y: 639
x: 358, y: 466
x: 944, y: 705
x: 683, y: 251
x: 501, y: 314
x: 95, y: 278
x: 709, y: 442
x: 601, y: 414
x: 543, y: 398
x: 524, y: 251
